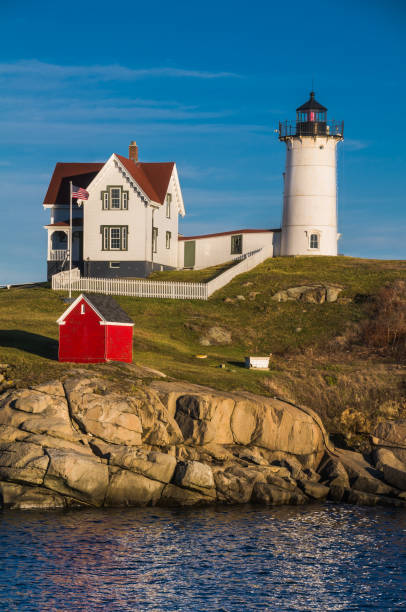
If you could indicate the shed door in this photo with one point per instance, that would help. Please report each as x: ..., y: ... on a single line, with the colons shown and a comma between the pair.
x: 190, y: 252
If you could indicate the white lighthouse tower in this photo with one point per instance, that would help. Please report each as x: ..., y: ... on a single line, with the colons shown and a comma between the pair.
x: 309, y: 224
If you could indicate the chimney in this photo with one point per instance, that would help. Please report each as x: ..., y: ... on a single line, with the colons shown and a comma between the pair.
x: 133, y: 151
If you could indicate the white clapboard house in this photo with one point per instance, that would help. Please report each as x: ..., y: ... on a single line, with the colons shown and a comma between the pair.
x: 129, y: 225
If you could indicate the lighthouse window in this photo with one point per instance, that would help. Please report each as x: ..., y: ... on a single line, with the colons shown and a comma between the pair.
x: 314, y: 241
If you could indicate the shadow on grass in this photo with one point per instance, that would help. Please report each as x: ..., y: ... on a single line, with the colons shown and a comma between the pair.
x: 31, y: 343
x: 237, y: 364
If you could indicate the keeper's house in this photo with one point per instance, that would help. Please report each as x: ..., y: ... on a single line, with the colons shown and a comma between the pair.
x: 129, y: 225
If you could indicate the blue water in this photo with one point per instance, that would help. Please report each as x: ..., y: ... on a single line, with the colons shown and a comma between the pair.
x: 320, y: 557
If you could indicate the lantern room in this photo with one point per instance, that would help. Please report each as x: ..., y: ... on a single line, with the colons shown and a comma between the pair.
x: 311, y: 118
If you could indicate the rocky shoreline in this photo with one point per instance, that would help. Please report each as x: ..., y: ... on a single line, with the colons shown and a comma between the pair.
x: 78, y: 442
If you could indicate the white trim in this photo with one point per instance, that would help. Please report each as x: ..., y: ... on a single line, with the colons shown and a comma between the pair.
x: 118, y: 324
x: 130, y: 179
x: 73, y: 306
x: 178, y: 192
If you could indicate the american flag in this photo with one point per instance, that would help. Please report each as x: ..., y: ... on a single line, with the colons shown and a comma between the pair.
x: 79, y: 192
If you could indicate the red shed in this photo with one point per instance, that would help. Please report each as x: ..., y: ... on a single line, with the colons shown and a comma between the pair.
x: 95, y: 329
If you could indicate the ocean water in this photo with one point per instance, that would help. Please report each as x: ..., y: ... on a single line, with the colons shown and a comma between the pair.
x: 317, y: 557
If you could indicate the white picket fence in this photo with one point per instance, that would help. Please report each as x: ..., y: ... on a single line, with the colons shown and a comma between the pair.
x: 159, y: 289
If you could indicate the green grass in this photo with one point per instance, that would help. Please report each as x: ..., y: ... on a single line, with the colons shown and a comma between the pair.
x: 167, y: 332
x: 195, y: 276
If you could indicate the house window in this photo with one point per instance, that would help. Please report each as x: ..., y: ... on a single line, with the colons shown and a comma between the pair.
x: 114, y: 198
x: 314, y: 241
x: 168, y: 205
x: 82, y: 309
x: 236, y: 244
x: 114, y: 237
x: 168, y: 240
x: 114, y: 264
x: 154, y: 239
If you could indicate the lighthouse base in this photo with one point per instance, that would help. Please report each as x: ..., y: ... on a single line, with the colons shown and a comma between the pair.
x: 316, y: 240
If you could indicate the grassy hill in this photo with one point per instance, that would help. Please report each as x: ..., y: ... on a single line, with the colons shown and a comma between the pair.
x: 306, y: 366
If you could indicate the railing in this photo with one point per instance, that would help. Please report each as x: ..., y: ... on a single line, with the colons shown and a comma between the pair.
x: 311, y: 128
x: 244, y: 265
x: 57, y: 255
x: 159, y: 289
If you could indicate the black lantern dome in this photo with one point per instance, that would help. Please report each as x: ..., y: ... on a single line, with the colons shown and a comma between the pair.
x: 311, y: 118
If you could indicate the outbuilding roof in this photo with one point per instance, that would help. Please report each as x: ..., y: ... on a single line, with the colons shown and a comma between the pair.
x: 240, y: 231
x: 104, y: 305
x: 108, y: 308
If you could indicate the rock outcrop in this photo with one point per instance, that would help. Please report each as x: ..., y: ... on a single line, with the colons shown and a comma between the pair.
x: 312, y: 294
x: 79, y: 443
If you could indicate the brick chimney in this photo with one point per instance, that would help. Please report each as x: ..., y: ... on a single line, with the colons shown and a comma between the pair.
x: 133, y: 151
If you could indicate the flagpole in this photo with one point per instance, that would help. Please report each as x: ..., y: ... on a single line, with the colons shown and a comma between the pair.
x: 70, y: 240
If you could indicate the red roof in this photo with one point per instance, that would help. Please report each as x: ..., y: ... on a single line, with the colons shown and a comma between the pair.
x: 241, y: 231
x: 75, y: 223
x: 153, y: 178
x: 80, y: 175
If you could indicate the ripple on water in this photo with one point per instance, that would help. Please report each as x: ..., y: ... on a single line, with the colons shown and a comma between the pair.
x: 319, y: 557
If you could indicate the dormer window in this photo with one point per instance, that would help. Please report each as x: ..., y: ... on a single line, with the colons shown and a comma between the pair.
x: 114, y: 198
x: 168, y: 205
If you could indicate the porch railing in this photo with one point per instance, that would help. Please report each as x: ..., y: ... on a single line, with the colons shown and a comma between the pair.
x: 57, y: 254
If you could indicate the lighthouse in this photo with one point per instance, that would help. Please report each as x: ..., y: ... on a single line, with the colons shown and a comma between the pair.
x: 309, y: 223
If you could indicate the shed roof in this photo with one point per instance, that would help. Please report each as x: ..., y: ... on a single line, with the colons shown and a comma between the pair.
x: 108, y: 308
x: 105, y: 306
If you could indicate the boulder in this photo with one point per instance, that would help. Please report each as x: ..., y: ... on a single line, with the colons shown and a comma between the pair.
x: 244, y: 420
x: 177, y: 496
x: 23, y: 463
x: 391, y: 435
x: 216, y: 335
x: 394, y: 471
x: 79, y: 476
x: 232, y: 488
x: 18, y: 497
x: 152, y: 464
x: 128, y: 489
x: 314, y: 490
x: 363, y: 476
x: 36, y: 412
x: 271, y: 495
x: 332, y: 293
x: 332, y: 471
x: 312, y: 294
x: 108, y: 417
x: 362, y: 498
x: 194, y: 475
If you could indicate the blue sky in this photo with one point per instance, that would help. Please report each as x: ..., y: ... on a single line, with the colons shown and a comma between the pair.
x: 204, y: 85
